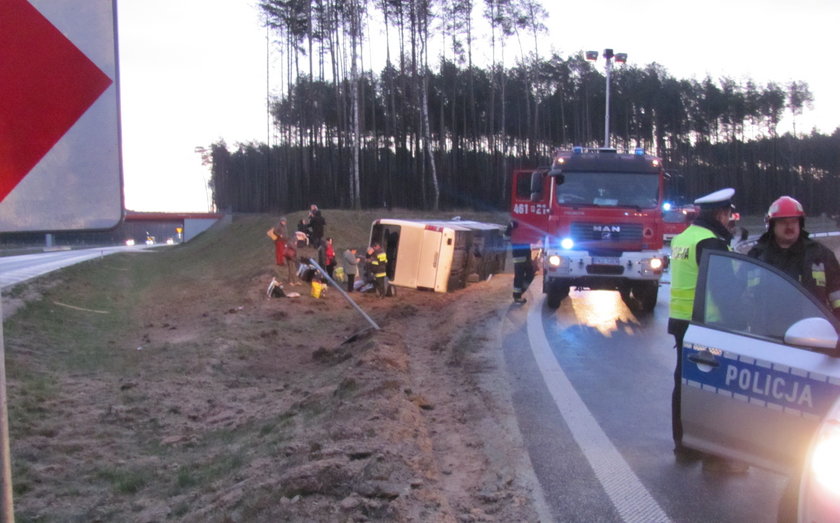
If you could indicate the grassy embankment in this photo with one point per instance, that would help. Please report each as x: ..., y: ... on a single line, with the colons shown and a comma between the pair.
x: 96, y: 331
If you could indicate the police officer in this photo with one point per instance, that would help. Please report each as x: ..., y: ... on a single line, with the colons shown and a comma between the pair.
x: 786, y: 245
x: 523, y: 265
x: 708, y: 231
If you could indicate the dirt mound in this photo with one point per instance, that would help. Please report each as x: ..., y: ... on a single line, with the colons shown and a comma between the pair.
x: 400, y: 424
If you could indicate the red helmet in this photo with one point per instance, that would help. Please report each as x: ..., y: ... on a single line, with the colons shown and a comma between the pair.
x: 785, y: 207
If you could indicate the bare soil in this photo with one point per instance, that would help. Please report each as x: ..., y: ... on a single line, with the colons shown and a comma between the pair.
x: 230, y: 406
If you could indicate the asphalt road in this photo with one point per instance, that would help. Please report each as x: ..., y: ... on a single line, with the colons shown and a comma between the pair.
x: 592, y: 388
x: 17, y: 269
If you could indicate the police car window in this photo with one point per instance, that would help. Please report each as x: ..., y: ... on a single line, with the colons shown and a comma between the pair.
x: 744, y: 296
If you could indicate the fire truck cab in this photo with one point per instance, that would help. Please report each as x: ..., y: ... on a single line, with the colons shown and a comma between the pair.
x: 599, y: 213
x: 677, y: 219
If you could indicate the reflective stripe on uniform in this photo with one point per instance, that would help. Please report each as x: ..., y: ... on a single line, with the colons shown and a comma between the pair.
x: 818, y: 274
x: 380, y: 263
x: 834, y: 299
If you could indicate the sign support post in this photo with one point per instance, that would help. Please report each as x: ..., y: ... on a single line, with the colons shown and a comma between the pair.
x: 8, y: 514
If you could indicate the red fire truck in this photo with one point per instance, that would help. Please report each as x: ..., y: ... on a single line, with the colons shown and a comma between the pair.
x: 598, y: 216
x: 677, y: 219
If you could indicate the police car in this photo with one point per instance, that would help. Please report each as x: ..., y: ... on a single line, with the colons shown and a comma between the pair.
x: 761, y: 377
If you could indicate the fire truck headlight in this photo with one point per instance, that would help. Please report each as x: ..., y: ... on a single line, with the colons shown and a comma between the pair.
x: 567, y: 243
x: 554, y: 260
x: 825, y: 459
x: 652, y: 266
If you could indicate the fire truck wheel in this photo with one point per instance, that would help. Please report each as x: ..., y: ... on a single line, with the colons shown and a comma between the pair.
x: 624, y: 291
x: 647, y: 294
x: 556, y: 292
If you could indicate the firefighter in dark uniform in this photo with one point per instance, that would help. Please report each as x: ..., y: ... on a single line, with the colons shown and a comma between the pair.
x: 787, y: 246
x: 708, y: 231
x: 378, y: 266
x: 523, y: 265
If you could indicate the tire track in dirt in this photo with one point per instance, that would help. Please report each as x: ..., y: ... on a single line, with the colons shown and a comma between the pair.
x: 459, y: 381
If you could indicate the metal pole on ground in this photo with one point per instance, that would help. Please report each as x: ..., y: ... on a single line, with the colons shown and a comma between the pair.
x: 343, y: 293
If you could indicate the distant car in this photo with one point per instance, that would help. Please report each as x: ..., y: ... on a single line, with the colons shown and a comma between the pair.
x: 761, y: 378
x: 150, y: 240
x: 130, y: 242
x: 170, y: 241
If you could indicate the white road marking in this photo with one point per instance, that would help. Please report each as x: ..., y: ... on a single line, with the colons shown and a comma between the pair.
x: 629, y: 497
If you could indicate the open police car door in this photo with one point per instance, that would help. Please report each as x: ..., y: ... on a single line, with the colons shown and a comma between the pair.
x: 760, y: 365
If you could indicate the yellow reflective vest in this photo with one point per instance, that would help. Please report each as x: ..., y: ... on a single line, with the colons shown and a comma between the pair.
x: 684, y: 270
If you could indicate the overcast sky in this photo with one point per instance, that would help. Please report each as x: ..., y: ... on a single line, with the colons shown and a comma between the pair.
x: 194, y: 71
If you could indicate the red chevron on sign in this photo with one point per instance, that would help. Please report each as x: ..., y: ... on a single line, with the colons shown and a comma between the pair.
x: 46, y: 85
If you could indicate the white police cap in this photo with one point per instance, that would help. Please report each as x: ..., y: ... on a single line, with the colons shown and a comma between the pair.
x: 716, y: 200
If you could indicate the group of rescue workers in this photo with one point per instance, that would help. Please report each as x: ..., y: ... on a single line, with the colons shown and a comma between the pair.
x: 287, y: 260
x: 785, y: 245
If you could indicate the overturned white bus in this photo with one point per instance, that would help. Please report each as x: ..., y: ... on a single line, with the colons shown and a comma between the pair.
x: 439, y: 256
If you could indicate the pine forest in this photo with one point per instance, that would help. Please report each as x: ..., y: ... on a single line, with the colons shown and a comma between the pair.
x: 430, y: 128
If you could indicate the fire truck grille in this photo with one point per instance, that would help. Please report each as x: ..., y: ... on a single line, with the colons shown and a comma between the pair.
x: 600, y: 232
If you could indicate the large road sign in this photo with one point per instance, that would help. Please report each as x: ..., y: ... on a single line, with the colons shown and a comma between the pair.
x: 60, y: 156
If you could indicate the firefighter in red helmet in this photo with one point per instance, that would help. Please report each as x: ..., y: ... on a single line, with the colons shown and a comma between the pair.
x: 787, y: 246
